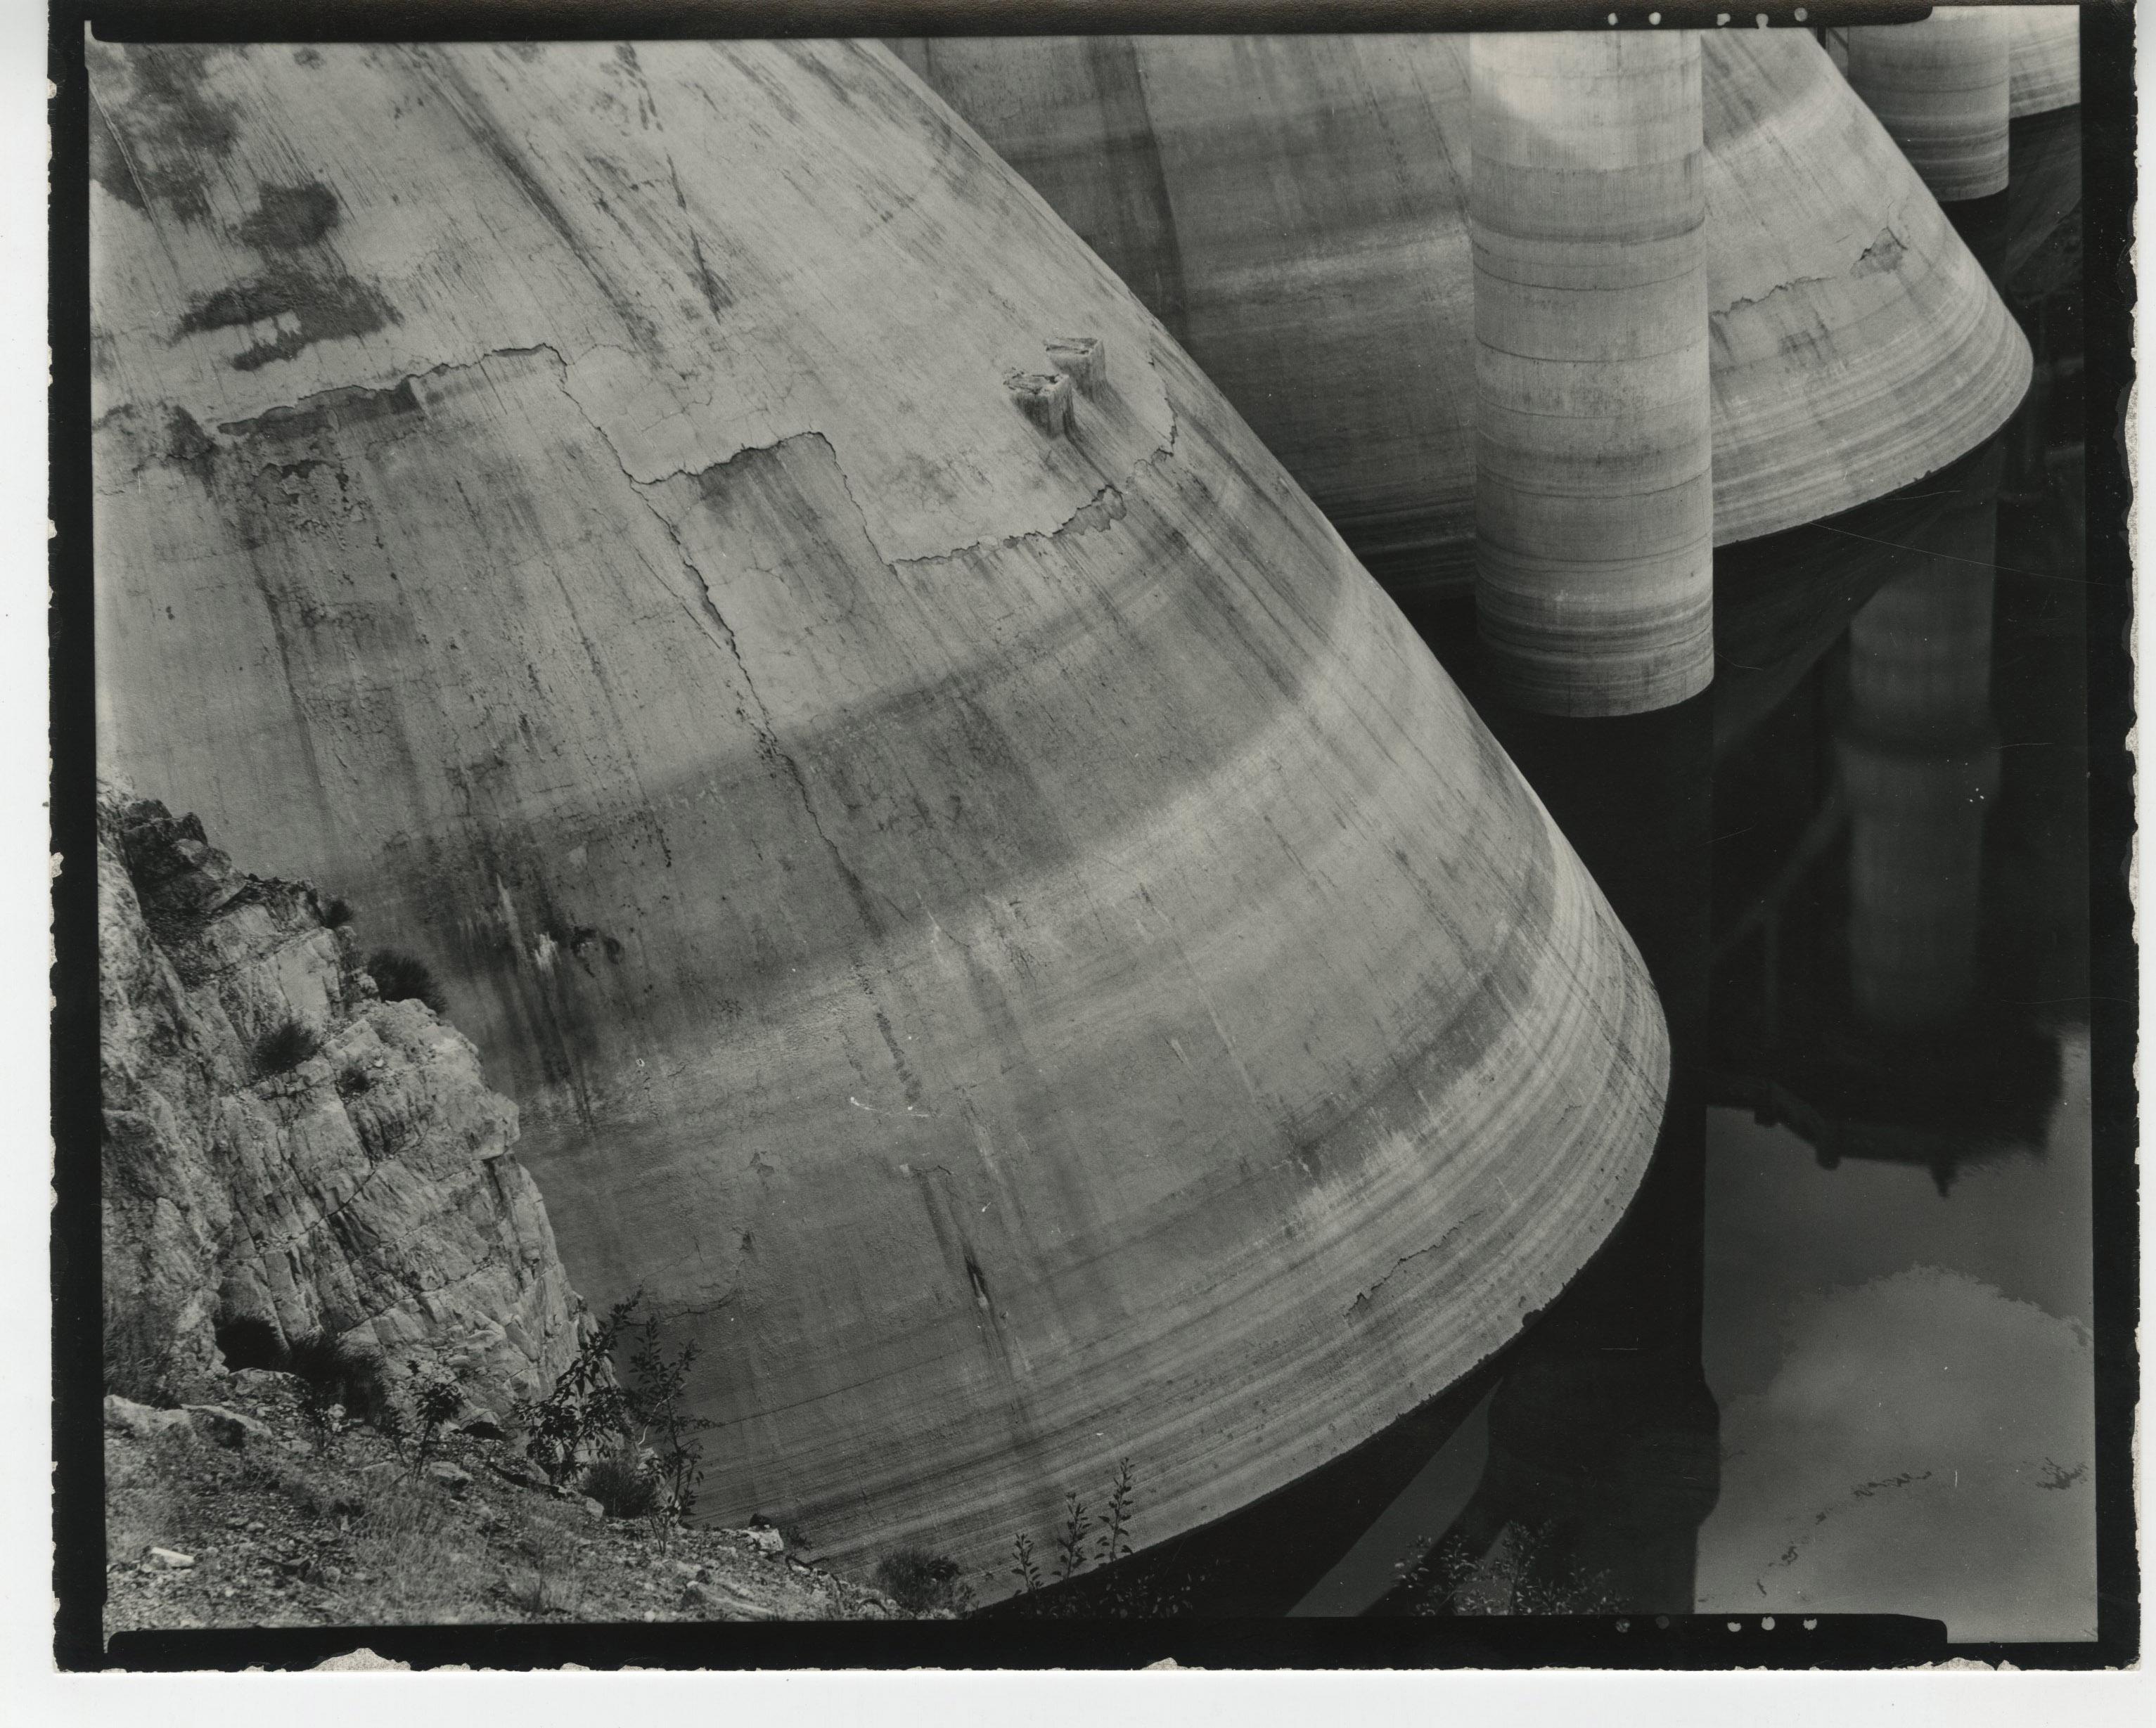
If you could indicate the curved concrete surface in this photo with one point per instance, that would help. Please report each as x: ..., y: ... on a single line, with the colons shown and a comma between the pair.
x: 2044, y: 63
x: 993, y: 919
x: 1294, y: 209
x: 1940, y: 88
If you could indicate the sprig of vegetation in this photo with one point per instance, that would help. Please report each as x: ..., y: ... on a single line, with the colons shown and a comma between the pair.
x: 1114, y: 1544
x: 1071, y: 1539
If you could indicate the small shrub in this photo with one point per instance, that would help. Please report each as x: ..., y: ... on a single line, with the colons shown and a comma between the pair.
x: 621, y: 1489
x: 657, y: 1386
x: 585, y: 1411
x: 248, y: 1342
x: 285, y: 1046
x: 338, y: 1376
x: 336, y: 913
x: 420, y: 1409
x: 405, y: 977
x: 924, y: 1583
x: 355, y: 1081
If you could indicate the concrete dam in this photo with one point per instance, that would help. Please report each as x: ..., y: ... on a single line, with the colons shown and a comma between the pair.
x: 1295, y: 210
x: 993, y: 920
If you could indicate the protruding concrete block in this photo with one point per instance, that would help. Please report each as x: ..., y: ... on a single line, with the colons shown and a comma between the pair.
x: 1043, y: 397
x: 1083, y: 359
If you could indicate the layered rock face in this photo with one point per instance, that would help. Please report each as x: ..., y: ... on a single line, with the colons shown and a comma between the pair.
x: 367, y: 1192
x: 993, y: 920
x: 1295, y: 209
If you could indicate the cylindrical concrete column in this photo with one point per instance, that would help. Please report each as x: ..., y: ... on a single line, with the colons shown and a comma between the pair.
x: 1593, y: 501
x: 1940, y: 88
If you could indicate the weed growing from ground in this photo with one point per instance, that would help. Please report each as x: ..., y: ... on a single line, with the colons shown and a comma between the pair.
x: 1114, y: 1544
x: 1071, y: 1539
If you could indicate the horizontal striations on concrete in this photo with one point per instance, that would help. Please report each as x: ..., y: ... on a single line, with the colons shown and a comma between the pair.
x: 2044, y: 64
x: 1857, y: 344
x: 1294, y: 209
x: 992, y: 919
x: 1594, y: 504
x: 1941, y: 88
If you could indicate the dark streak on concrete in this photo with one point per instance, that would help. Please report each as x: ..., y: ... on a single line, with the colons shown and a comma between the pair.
x: 286, y: 217
x: 321, y: 307
x: 188, y: 446
x: 167, y: 110
x: 328, y: 408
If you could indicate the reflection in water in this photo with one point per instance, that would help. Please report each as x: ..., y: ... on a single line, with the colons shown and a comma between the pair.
x: 1919, y: 758
x: 1835, y: 1357
x: 1859, y: 1380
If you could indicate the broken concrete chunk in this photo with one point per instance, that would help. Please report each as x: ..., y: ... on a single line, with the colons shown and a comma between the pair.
x: 1043, y: 398
x: 1084, y: 360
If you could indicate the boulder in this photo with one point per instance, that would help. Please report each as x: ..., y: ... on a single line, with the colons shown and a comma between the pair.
x: 453, y: 1477
x: 170, y: 1560
x: 144, y: 1421
x: 228, y: 1427
x: 266, y: 1383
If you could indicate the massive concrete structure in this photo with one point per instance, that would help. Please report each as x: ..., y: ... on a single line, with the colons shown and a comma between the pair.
x: 1593, y: 508
x: 992, y: 918
x: 1294, y: 209
x: 1941, y: 88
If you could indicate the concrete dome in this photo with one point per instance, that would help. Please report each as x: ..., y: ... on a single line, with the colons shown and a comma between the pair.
x: 994, y: 921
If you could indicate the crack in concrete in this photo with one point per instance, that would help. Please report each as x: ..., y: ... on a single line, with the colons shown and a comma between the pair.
x: 1883, y: 253
x: 1363, y: 1301
x: 1881, y: 256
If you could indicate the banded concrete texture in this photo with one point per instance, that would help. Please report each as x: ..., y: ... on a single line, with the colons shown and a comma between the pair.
x: 2044, y: 48
x: 1941, y: 88
x: 993, y: 919
x: 1294, y: 209
x: 1858, y: 345
x: 1594, y: 507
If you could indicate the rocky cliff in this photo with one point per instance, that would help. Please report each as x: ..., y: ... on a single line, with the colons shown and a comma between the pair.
x: 284, y: 1146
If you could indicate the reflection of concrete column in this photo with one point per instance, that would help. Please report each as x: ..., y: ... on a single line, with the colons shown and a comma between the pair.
x: 1919, y: 757
x: 1594, y: 506
x: 1940, y: 88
